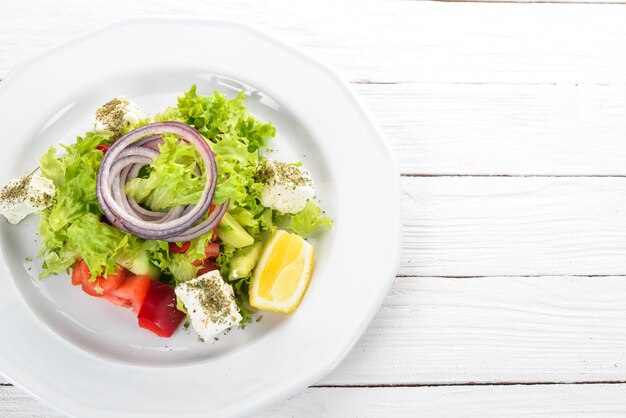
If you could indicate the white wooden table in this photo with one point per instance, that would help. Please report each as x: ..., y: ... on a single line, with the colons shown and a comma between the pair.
x: 509, y: 122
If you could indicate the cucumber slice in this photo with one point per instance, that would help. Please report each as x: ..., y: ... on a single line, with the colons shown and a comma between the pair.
x: 232, y: 233
x: 141, y: 266
x: 244, y: 260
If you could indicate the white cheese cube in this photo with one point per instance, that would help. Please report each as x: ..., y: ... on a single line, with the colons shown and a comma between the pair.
x: 210, y: 303
x: 286, y: 188
x: 117, y: 114
x: 21, y: 197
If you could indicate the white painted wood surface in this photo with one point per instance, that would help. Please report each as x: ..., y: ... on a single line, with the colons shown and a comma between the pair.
x: 509, y: 121
x: 564, y: 401
x: 486, y: 226
x: 514, y: 129
x: 434, y: 330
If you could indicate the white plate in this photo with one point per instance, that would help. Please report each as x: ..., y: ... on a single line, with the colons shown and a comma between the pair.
x: 86, y: 357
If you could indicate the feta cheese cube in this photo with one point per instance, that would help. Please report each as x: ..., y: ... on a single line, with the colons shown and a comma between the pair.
x: 117, y: 114
x: 21, y: 197
x: 286, y: 188
x: 210, y: 303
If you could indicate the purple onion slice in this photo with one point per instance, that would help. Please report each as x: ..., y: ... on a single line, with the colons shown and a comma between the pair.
x: 122, y: 162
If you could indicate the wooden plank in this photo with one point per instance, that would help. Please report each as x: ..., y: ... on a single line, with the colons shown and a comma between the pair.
x: 405, y: 41
x: 562, y: 129
x: 495, y: 329
x: 489, y: 226
x: 468, y: 402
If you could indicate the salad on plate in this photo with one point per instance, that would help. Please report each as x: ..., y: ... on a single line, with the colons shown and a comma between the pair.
x: 181, y: 217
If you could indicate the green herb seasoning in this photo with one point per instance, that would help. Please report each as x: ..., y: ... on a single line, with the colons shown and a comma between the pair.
x: 272, y: 172
x: 111, y: 114
x: 13, y: 192
x: 17, y: 192
x: 214, y: 301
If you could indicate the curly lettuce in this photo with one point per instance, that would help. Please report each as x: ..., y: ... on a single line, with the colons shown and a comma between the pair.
x: 74, y: 177
x: 73, y: 228
x: 172, y: 179
x: 308, y: 220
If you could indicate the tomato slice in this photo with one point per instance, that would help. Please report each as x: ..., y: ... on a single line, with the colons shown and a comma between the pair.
x: 175, y: 249
x: 131, y: 293
x: 82, y: 276
x: 207, y: 266
x: 102, y: 285
x: 212, y: 250
x: 80, y: 272
x: 158, y: 312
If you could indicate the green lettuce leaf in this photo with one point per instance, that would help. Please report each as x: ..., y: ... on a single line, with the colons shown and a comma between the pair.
x: 74, y: 177
x: 100, y: 244
x: 308, y: 220
x: 172, y: 179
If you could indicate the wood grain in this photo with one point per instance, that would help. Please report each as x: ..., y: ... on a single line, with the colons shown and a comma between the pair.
x: 14, y: 403
x: 496, y: 329
x: 504, y: 129
x: 606, y: 401
x: 489, y: 226
x: 468, y: 402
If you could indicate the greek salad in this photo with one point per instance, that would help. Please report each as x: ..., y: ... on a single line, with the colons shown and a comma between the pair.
x: 180, y: 217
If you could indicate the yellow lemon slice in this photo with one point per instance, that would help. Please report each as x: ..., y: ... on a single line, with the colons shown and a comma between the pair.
x: 282, y: 274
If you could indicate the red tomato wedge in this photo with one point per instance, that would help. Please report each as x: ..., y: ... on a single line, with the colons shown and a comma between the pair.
x: 211, y: 251
x: 131, y: 293
x: 158, y: 312
x: 112, y: 281
x: 207, y: 266
x: 80, y: 272
x: 101, y: 285
x: 175, y: 249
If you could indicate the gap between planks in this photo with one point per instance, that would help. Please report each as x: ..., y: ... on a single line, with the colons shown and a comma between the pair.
x: 436, y: 385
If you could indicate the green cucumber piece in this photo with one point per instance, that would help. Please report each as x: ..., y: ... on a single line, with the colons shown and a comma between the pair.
x: 232, y: 233
x: 142, y: 266
x: 244, y: 260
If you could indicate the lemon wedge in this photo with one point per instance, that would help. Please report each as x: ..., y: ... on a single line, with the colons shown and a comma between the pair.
x: 282, y: 274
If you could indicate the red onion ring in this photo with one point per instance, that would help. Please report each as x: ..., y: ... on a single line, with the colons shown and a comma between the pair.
x: 122, y: 162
